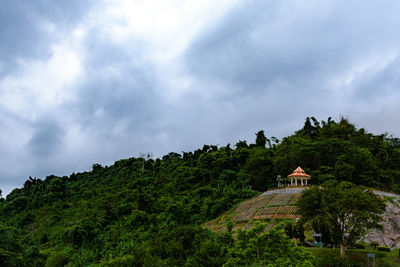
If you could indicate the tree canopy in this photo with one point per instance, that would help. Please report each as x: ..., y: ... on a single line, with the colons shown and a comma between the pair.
x: 265, y: 248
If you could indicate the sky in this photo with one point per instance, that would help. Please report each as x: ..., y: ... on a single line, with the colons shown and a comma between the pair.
x: 95, y: 81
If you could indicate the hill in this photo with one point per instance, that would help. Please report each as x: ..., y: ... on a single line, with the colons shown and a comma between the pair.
x: 151, y: 211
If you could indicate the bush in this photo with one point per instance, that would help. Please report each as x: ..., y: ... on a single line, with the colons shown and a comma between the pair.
x: 133, y: 261
x: 359, y: 245
x: 383, y: 248
x: 57, y: 259
x: 127, y: 260
x: 335, y: 261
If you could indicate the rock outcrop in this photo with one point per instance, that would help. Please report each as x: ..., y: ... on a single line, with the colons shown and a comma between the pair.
x: 390, y: 234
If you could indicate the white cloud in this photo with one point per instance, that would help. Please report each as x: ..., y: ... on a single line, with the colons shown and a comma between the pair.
x: 41, y: 85
x: 163, y: 24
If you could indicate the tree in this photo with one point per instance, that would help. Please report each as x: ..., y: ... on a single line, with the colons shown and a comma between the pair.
x: 309, y: 129
x: 347, y: 211
x: 257, y: 247
x: 259, y: 166
x: 261, y: 140
x: 10, y: 247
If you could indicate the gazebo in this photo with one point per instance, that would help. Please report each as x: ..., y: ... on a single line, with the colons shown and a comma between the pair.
x: 298, y: 178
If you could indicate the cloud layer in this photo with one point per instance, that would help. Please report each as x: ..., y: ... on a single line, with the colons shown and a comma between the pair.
x: 85, y: 82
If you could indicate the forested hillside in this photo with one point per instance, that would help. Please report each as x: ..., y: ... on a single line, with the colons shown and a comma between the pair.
x: 149, y: 211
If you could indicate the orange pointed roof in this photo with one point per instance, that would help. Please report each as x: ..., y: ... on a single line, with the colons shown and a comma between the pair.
x: 299, y: 172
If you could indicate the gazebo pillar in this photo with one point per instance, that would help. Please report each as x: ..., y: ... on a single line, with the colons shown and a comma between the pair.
x: 298, y: 177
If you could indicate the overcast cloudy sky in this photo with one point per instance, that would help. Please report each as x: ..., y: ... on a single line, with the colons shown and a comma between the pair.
x: 90, y: 81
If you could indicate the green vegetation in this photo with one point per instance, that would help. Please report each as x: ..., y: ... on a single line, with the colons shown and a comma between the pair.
x: 150, y: 212
x: 260, y: 248
x: 383, y: 248
x: 327, y: 257
x: 359, y: 245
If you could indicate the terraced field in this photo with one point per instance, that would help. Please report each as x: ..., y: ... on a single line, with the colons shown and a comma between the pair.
x: 271, y: 205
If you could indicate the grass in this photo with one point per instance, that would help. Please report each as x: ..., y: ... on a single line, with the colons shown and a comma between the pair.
x: 354, y: 257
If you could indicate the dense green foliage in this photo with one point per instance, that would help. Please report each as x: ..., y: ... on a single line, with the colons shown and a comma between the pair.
x: 330, y: 150
x: 261, y: 248
x: 146, y: 211
x: 341, y: 211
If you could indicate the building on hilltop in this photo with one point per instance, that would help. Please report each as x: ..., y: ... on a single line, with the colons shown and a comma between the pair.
x: 298, y: 178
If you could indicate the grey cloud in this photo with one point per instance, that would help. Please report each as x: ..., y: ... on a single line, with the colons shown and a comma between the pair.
x: 26, y: 28
x: 64, y: 12
x: 379, y: 84
x: 115, y: 111
x: 261, y: 43
x: 22, y: 34
x: 46, y: 139
x: 295, y: 59
x: 121, y: 85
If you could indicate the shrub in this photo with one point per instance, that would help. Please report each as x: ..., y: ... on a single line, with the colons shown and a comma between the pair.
x: 57, y: 259
x: 127, y: 260
x: 383, y: 248
x: 335, y: 261
x: 359, y: 245
x: 32, y: 252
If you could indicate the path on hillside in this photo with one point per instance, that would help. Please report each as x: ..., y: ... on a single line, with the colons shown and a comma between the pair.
x: 297, y: 190
x: 383, y: 193
x: 287, y: 190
